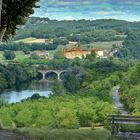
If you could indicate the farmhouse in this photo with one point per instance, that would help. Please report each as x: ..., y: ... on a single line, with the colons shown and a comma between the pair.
x: 42, y: 54
x: 98, y: 53
x: 74, y: 52
x: 77, y: 51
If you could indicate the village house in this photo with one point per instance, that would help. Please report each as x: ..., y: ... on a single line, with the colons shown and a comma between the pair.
x: 77, y: 51
x: 74, y: 52
x: 42, y: 54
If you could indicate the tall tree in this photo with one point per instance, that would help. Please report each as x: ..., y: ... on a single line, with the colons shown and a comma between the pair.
x: 0, y: 11
x: 13, y: 13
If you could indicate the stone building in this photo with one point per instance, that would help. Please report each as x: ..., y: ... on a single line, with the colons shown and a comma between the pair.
x: 77, y: 51
x: 42, y: 54
x: 74, y: 52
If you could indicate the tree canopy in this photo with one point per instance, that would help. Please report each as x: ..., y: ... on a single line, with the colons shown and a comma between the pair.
x: 13, y: 13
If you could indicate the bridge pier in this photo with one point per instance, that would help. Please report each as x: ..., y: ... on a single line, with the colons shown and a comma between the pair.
x: 43, y: 74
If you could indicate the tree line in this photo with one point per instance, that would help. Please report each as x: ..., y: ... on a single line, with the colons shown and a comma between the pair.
x: 13, y: 75
x: 27, y: 47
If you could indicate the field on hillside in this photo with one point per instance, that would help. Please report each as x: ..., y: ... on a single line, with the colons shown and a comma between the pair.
x: 19, y: 55
x: 24, y: 58
x: 105, y: 45
x: 31, y: 40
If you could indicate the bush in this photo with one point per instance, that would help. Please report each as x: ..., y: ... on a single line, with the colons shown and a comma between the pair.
x: 34, y: 56
x: 9, y: 55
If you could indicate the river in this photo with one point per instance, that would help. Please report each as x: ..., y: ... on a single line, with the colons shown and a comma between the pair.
x: 25, y: 91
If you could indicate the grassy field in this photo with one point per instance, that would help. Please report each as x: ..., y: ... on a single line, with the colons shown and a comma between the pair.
x: 1, y: 55
x: 31, y: 40
x: 23, y: 58
x: 105, y: 45
x: 67, y: 134
x: 19, y: 56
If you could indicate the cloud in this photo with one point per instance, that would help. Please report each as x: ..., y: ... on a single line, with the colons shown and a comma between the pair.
x: 89, y: 9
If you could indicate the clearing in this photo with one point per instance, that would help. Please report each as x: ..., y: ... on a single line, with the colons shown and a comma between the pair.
x: 31, y: 40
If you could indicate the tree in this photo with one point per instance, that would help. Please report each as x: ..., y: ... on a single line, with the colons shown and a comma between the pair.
x: 71, y: 83
x: 67, y: 118
x: 58, y: 87
x: 3, y: 102
x: 14, y: 13
x: 0, y: 11
x: 3, y: 82
x: 26, y: 50
x: 24, y: 117
x: 9, y: 55
x: 34, y: 56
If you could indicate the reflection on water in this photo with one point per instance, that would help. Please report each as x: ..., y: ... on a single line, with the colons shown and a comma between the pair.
x: 27, y: 90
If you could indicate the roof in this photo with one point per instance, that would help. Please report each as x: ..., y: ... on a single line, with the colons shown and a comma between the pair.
x: 41, y: 52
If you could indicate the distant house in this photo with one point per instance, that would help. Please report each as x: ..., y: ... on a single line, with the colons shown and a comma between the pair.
x: 42, y: 54
x: 72, y: 42
x: 74, y: 52
x: 61, y: 37
x: 98, y: 53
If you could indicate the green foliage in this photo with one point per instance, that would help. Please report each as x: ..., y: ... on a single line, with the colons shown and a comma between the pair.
x: 26, y: 47
x: 58, y: 87
x: 67, y: 118
x: 59, y: 41
x: 26, y: 50
x: 13, y: 75
x: 9, y: 55
x: 131, y: 46
x: 84, y: 30
x: 71, y: 83
x: 67, y: 134
x: 130, y: 91
x: 24, y: 118
x: 21, y: 9
x: 35, y: 96
x: 3, y: 102
x: 57, y: 111
x: 91, y: 56
x: 34, y: 56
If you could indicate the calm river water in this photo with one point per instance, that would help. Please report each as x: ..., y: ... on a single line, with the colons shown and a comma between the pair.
x: 26, y: 90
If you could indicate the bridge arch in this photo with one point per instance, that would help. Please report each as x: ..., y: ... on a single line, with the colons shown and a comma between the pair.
x: 60, y: 75
x: 51, y: 75
x: 57, y: 72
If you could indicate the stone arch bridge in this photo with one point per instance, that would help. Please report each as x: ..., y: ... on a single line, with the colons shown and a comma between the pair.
x: 45, y: 72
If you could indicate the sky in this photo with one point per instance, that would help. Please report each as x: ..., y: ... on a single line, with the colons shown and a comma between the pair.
x: 89, y: 9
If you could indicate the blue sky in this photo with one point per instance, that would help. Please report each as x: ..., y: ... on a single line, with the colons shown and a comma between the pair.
x: 89, y: 9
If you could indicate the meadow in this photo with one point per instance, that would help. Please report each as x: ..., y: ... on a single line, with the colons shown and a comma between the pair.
x: 31, y: 40
x: 68, y: 134
x: 104, y: 45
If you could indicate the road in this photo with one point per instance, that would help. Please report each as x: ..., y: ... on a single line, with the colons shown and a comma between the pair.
x: 5, y: 135
x: 116, y: 100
